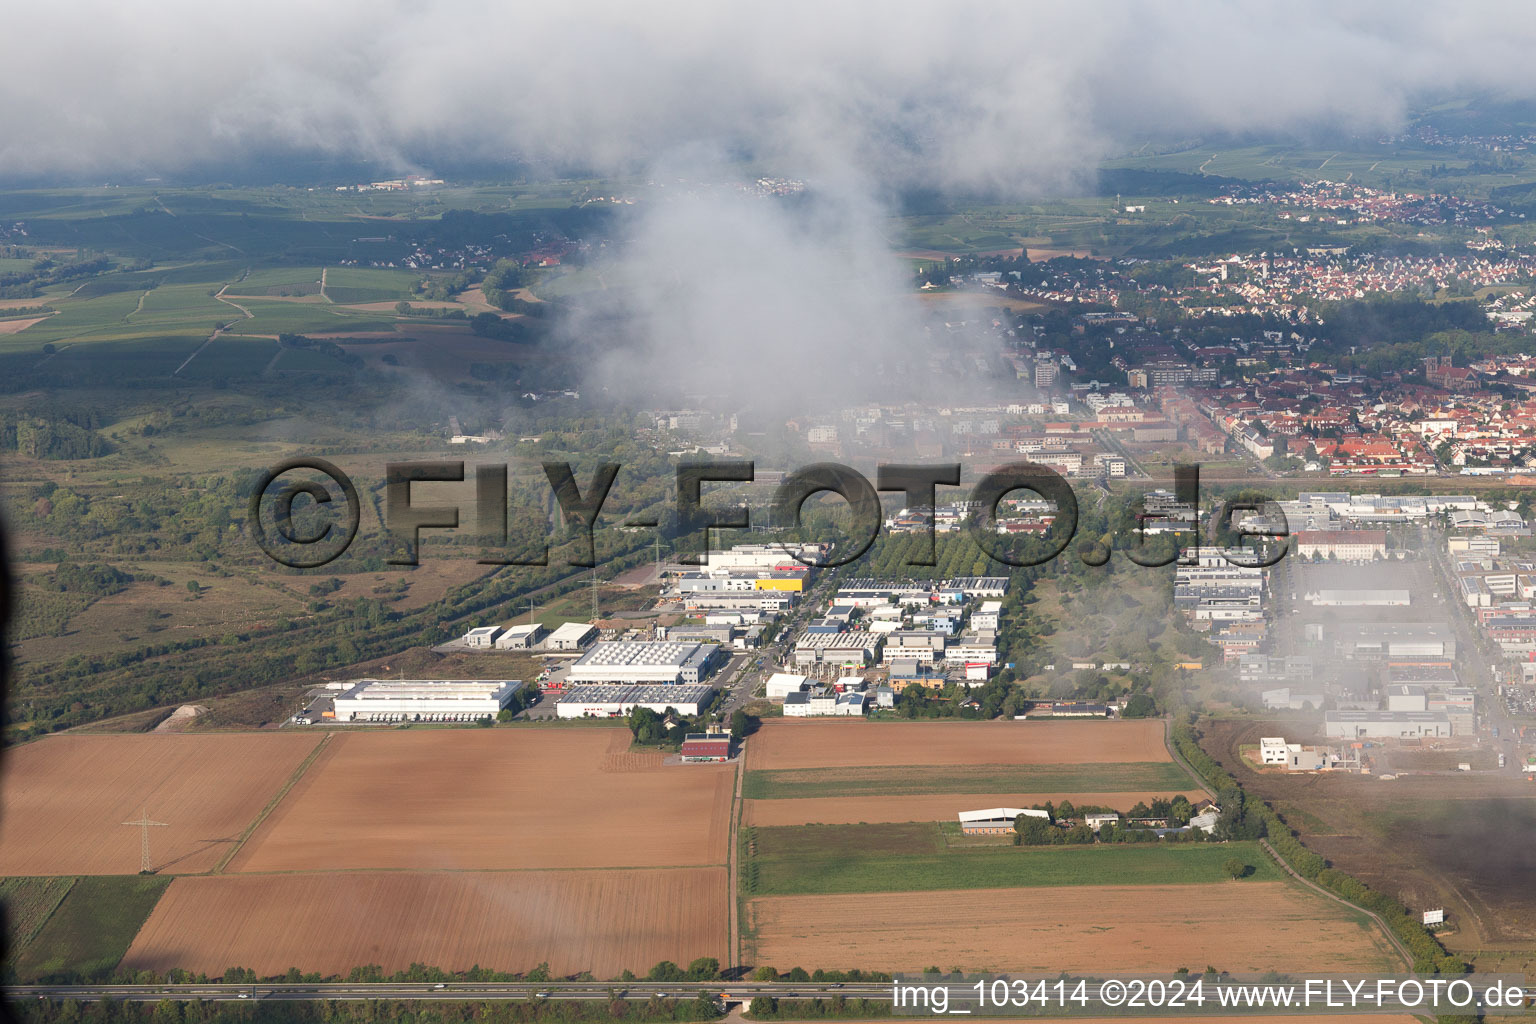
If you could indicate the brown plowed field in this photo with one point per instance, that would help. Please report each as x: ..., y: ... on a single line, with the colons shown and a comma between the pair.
x: 598, y: 921
x: 833, y: 744
x: 488, y: 799
x: 65, y: 797
x: 1236, y: 926
x: 937, y: 807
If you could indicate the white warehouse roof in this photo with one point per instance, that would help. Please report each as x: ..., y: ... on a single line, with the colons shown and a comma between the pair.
x: 999, y: 814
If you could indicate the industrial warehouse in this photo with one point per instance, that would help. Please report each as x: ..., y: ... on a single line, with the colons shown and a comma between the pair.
x: 613, y: 701
x: 424, y: 700
x: 639, y: 662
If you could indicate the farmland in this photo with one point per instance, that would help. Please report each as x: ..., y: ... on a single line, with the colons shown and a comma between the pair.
x: 832, y: 744
x: 843, y: 772
x: 91, y: 929
x: 897, y: 858
x: 597, y: 921
x: 1046, y: 779
x: 29, y: 902
x: 73, y: 793
x: 1449, y: 841
x: 1238, y: 926
x: 487, y: 799
x: 836, y: 810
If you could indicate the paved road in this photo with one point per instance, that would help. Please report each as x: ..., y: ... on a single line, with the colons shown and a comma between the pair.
x: 452, y: 990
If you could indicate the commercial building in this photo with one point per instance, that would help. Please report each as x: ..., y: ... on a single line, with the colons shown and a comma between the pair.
x: 1272, y: 750
x: 852, y: 648
x: 1356, y: 725
x: 641, y: 662
x: 1397, y: 640
x: 782, y: 684
x: 613, y: 701
x: 988, y: 616
x: 424, y: 700
x: 707, y: 746
x: 1407, y: 697
x: 1372, y: 598
x: 1345, y: 545
x: 520, y: 637
x: 572, y: 636
x: 805, y: 705
x: 482, y: 636
x: 994, y: 821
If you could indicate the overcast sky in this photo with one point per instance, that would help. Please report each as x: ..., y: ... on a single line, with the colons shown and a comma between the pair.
x: 854, y: 97
x: 997, y: 93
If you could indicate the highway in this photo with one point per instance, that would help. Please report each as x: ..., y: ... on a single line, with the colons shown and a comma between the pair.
x: 608, y: 991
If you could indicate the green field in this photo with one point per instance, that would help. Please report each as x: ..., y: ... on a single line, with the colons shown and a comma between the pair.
x: 92, y: 928
x: 369, y: 284
x: 278, y: 281
x: 28, y: 903
x: 112, y: 362
x: 1045, y: 779
x: 807, y: 859
x: 232, y: 357
x: 305, y: 318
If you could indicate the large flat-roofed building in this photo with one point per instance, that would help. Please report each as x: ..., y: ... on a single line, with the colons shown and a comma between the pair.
x: 996, y: 820
x: 1408, y: 725
x: 768, y: 556
x: 852, y: 648
x: 572, y: 636
x: 395, y: 700
x: 1366, y: 598
x: 1407, y: 697
x: 782, y: 684
x: 1397, y: 640
x: 613, y: 701
x: 640, y: 662
x: 979, y: 586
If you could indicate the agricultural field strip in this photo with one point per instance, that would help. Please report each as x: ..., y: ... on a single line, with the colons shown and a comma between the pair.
x: 914, y: 858
x: 277, y: 798
x: 75, y: 791
x: 29, y: 903
x: 598, y: 921
x: 565, y: 816
x: 1120, y: 777
x: 830, y: 744
x: 1240, y: 926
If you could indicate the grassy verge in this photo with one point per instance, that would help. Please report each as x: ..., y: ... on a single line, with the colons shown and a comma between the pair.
x: 914, y: 857
x: 91, y: 929
x: 1043, y: 780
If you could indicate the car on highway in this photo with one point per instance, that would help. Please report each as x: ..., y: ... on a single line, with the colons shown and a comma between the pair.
x: 541, y: 995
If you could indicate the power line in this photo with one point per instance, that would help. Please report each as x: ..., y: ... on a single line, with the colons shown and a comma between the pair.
x: 144, y: 823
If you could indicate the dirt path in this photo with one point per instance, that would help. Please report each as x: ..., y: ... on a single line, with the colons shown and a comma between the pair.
x: 733, y: 947
x: 1391, y: 936
x: 217, y: 331
x: 1178, y: 758
x: 324, y: 296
